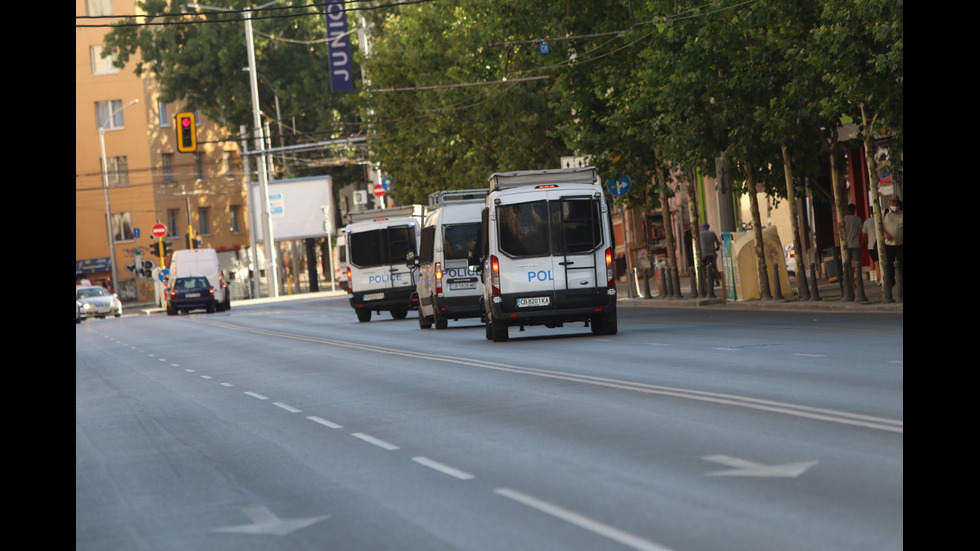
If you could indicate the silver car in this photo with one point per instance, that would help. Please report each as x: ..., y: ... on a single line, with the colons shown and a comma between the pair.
x: 97, y: 302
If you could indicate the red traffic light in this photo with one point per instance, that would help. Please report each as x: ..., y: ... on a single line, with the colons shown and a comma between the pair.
x: 186, y: 133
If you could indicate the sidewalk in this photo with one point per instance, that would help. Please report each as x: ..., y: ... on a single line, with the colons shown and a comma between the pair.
x: 830, y: 299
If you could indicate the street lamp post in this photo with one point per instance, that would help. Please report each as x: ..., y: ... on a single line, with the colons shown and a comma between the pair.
x: 270, y: 243
x: 105, y: 187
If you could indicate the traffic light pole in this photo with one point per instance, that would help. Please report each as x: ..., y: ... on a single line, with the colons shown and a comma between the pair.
x: 110, y: 232
x: 270, y: 243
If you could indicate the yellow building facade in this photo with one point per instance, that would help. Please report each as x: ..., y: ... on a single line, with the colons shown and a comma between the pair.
x: 146, y: 180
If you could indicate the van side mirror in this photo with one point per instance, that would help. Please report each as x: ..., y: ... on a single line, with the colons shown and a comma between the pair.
x: 473, y: 263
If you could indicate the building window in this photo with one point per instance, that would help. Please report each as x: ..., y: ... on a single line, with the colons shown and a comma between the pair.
x: 164, y: 111
x: 99, y: 7
x: 199, y: 166
x: 168, y: 168
x: 204, y: 221
x: 226, y: 166
x: 122, y: 226
x: 117, y: 171
x: 109, y: 114
x: 235, y: 214
x: 173, y: 219
x: 102, y: 65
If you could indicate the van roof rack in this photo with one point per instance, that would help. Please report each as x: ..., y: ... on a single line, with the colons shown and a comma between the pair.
x: 576, y: 175
x: 390, y: 212
x: 460, y: 195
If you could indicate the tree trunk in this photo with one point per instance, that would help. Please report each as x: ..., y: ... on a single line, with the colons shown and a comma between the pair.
x: 661, y: 184
x: 692, y: 207
x: 801, y: 280
x: 837, y: 184
x: 872, y: 163
x: 760, y: 253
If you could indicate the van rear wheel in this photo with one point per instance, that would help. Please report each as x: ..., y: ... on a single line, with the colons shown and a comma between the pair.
x: 604, y: 324
x: 424, y: 322
x: 399, y: 314
x: 363, y: 315
x: 441, y: 322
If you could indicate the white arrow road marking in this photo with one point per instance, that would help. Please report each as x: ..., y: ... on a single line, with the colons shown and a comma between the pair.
x: 266, y: 522
x: 741, y: 467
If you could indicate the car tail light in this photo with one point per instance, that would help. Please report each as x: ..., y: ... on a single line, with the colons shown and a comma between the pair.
x: 494, y: 275
x: 350, y: 282
x: 437, y: 273
x: 610, y: 269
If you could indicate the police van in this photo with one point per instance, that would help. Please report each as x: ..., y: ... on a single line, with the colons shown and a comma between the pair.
x: 377, y: 245
x: 546, y: 252
x: 447, y: 289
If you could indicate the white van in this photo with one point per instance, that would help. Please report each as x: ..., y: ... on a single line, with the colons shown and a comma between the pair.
x: 378, y: 243
x: 340, y: 260
x: 202, y: 262
x: 546, y: 252
x: 447, y: 288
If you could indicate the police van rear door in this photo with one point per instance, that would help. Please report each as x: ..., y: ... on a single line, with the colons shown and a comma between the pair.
x: 377, y: 257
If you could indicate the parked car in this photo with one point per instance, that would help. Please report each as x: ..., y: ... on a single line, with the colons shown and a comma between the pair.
x: 190, y: 293
x: 97, y: 301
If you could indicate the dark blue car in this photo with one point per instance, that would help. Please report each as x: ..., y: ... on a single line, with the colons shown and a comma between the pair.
x: 189, y: 293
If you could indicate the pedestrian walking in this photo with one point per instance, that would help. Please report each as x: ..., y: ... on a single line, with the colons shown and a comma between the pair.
x: 709, y: 250
x: 871, y: 239
x: 852, y: 239
x: 892, y: 225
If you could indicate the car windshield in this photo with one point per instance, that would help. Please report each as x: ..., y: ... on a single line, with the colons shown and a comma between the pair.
x: 91, y: 292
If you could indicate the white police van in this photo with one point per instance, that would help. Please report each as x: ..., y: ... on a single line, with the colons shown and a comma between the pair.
x: 377, y: 245
x: 447, y: 288
x: 546, y: 252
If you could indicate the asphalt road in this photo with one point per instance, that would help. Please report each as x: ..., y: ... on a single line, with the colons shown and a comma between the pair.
x: 289, y: 425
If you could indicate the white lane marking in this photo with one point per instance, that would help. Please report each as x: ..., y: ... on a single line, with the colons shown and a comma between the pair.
x: 256, y: 395
x: 324, y: 422
x: 227, y: 384
x: 286, y: 407
x: 729, y: 349
x: 376, y: 441
x: 829, y: 415
x: 190, y: 370
x: 810, y: 355
x: 572, y: 517
x: 443, y: 468
x: 206, y: 377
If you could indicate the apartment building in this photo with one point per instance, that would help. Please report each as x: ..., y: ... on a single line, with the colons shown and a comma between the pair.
x: 121, y: 123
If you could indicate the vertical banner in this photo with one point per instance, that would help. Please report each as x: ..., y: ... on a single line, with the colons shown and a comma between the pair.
x: 338, y: 46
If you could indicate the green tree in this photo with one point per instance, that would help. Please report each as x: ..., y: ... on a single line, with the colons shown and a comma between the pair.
x: 198, y: 57
x: 433, y: 126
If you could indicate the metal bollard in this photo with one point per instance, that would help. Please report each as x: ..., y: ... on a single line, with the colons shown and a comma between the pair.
x: 814, y: 290
x: 777, y: 290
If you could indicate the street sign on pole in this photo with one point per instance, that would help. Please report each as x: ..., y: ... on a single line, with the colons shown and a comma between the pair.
x: 159, y: 230
x: 619, y: 186
x: 379, y: 190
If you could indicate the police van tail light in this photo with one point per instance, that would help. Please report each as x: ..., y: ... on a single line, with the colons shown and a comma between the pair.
x: 438, y: 277
x: 610, y: 269
x: 350, y: 282
x: 494, y: 275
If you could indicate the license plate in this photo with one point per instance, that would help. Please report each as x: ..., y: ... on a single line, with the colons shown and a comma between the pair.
x: 459, y: 286
x: 533, y: 301
x: 374, y: 296
x: 192, y: 295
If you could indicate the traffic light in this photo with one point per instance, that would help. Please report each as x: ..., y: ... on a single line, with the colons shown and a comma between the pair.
x: 164, y: 248
x: 198, y: 243
x: 186, y: 133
